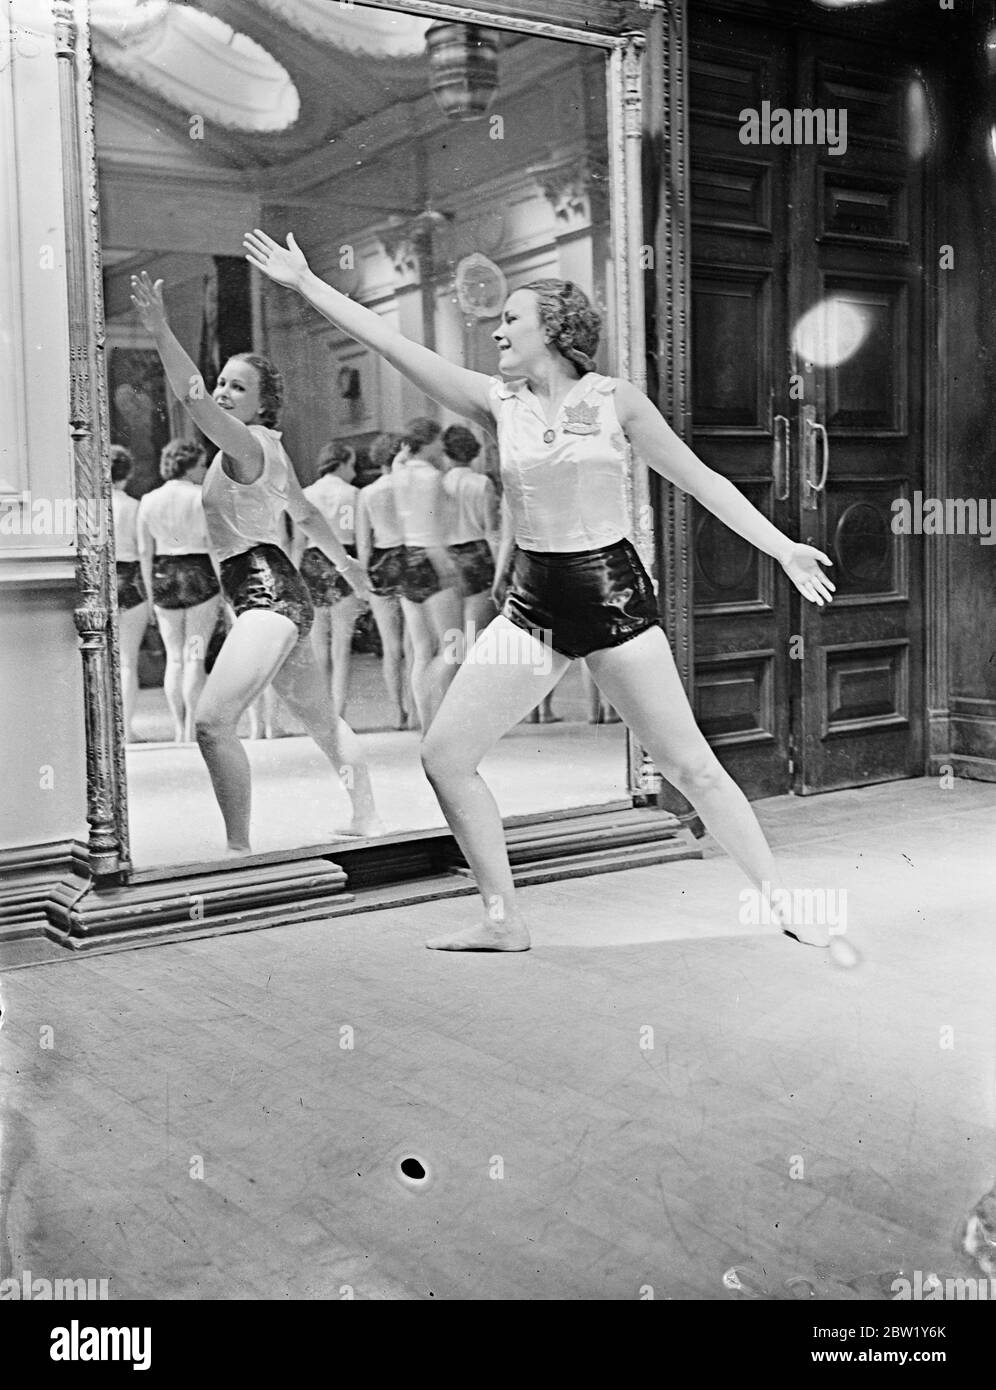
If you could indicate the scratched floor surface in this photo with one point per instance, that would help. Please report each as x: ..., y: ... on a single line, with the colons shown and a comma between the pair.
x: 655, y: 1094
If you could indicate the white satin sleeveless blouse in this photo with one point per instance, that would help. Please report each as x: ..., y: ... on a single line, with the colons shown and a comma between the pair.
x: 566, y: 485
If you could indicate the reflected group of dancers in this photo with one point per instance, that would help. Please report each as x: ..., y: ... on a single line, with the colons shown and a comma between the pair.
x: 567, y: 578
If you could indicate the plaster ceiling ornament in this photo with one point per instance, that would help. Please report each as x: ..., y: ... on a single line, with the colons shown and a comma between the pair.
x: 375, y: 33
x: 481, y: 287
x: 577, y: 188
x: 196, y: 62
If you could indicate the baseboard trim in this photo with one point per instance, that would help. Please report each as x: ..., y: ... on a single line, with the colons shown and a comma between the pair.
x: 73, y: 914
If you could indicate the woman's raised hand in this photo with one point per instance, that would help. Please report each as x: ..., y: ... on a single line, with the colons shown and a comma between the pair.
x: 284, y: 264
x: 802, y: 565
x: 148, y: 300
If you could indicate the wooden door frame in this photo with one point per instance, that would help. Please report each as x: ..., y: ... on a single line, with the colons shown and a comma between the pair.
x: 669, y: 337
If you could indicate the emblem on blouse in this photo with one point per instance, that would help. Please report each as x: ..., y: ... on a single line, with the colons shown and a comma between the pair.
x: 581, y: 419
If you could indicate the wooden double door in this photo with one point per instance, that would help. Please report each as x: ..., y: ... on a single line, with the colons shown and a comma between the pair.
x: 808, y: 392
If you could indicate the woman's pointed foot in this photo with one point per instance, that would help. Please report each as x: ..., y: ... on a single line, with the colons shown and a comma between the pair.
x: 484, y: 936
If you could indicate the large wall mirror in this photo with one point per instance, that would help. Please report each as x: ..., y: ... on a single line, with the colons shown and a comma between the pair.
x: 425, y: 167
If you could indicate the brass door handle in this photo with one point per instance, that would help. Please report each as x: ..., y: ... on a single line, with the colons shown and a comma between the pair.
x: 781, y: 445
x: 812, y: 431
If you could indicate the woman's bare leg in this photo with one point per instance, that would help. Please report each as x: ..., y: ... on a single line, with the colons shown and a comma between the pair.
x: 478, y: 611
x: 321, y: 645
x: 301, y: 687
x: 132, y: 623
x: 445, y: 614
x: 201, y: 622
x: 642, y: 682
x: 387, y: 616
x: 505, y: 675
x: 343, y: 616
x: 173, y: 628
x: 254, y: 650
x: 422, y: 635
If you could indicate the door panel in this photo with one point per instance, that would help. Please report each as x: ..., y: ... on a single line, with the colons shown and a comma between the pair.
x: 739, y: 196
x: 859, y: 715
x: 806, y: 317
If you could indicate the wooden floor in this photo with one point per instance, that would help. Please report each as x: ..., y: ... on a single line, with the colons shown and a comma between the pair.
x: 801, y: 1119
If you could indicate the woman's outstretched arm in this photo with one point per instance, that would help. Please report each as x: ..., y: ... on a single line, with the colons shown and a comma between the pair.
x: 655, y: 442
x: 456, y: 388
x: 311, y: 521
x: 232, y: 437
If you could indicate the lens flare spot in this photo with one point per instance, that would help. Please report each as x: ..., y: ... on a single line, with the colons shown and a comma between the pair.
x: 831, y: 332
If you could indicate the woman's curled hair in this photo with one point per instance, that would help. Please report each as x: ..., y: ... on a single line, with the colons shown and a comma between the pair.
x: 122, y: 463
x: 460, y: 445
x: 420, y: 432
x: 178, y: 458
x: 333, y: 457
x: 572, y: 324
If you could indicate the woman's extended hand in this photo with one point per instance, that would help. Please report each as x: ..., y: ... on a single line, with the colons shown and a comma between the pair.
x: 802, y: 565
x: 284, y: 264
x: 148, y: 300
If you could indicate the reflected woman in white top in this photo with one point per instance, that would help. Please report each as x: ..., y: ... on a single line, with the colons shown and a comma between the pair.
x: 247, y: 489
x: 474, y: 527
x: 381, y: 551
x: 181, y: 577
x: 578, y: 587
x: 133, y: 609
x: 337, y: 606
x: 430, y: 598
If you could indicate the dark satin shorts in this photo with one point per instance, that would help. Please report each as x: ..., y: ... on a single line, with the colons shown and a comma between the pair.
x: 263, y: 577
x: 419, y: 579
x: 325, y: 584
x: 131, y: 590
x: 183, y: 581
x: 475, y: 567
x: 583, y: 601
x: 386, y: 571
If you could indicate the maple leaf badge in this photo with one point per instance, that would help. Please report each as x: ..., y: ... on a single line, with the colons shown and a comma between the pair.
x: 581, y: 419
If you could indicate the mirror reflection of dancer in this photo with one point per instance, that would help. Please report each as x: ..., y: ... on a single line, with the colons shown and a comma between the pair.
x: 337, y: 605
x: 181, y: 576
x: 133, y: 608
x: 430, y: 599
x: 473, y: 527
x: 381, y: 550
x: 248, y: 487
x: 578, y: 585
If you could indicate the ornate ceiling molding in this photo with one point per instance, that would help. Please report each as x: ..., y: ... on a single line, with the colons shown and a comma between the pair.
x: 374, y: 33
x: 196, y: 62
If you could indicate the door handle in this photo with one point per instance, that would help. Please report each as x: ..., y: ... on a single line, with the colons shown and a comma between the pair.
x: 781, y: 445
x: 812, y: 432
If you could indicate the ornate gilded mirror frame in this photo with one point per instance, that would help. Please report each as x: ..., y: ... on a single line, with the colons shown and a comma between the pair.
x: 95, y: 611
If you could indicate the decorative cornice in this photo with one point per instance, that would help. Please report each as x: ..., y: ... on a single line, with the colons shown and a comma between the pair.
x: 577, y: 189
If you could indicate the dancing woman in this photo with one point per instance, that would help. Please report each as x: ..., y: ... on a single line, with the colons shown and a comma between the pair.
x: 133, y: 608
x: 380, y: 546
x: 429, y: 593
x: 577, y: 586
x: 248, y: 487
x: 474, y: 527
x: 337, y: 606
x: 181, y: 576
